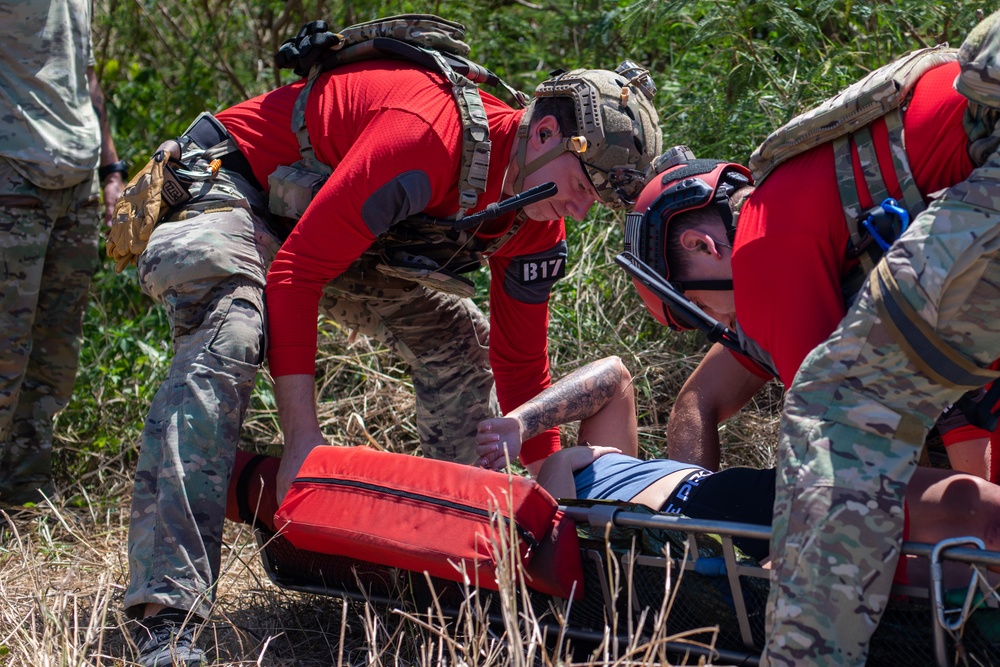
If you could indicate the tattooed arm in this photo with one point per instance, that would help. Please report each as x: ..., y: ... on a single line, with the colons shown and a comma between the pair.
x: 599, y: 394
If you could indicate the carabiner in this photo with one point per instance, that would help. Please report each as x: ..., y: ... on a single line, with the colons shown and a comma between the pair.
x: 888, y: 207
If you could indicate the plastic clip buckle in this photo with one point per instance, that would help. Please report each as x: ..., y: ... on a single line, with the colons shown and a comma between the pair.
x: 889, y: 207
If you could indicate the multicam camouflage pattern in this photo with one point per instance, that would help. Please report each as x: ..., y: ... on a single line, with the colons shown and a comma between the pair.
x: 979, y: 58
x: 431, y: 31
x: 292, y: 189
x: 853, y: 424
x: 206, y: 265
x: 48, y: 128
x: 316, y: 44
x: 613, y: 116
x: 979, y: 80
x: 870, y: 98
x: 443, y: 337
x: 48, y: 248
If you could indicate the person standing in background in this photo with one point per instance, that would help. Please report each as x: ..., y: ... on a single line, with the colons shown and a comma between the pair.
x: 56, y: 153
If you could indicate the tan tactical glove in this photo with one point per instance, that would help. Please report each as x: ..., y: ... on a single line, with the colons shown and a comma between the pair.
x: 138, y: 211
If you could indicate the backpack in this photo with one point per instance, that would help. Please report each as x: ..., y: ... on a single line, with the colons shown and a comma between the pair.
x: 433, y: 516
x: 884, y: 93
x: 427, y: 40
x: 848, y: 116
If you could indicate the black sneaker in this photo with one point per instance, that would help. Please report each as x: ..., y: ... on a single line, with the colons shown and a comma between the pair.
x: 167, y: 640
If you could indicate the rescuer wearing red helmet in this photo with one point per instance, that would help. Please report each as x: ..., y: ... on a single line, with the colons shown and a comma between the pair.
x: 890, y: 354
x: 783, y: 271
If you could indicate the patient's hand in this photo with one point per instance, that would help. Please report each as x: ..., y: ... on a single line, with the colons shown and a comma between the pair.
x: 583, y: 455
x: 494, y: 438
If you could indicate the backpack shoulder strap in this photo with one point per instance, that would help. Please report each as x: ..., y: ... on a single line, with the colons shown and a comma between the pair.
x: 309, y: 161
x: 419, y: 38
x: 872, y: 97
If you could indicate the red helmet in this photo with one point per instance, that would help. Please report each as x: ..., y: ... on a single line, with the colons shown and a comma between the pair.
x: 679, y: 183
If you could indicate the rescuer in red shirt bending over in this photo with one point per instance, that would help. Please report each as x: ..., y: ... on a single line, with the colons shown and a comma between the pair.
x: 369, y: 177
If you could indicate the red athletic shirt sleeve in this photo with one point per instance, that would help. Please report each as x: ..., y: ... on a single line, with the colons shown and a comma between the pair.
x: 519, y: 349
x: 790, y: 250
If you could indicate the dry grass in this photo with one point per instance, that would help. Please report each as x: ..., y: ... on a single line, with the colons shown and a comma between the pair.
x: 63, y: 574
x: 63, y: 565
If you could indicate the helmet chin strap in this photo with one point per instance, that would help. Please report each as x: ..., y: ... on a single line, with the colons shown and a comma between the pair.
x: 706, y: 285
x: 567, y: 145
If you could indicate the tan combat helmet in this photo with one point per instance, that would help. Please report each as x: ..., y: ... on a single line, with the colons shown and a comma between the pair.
x: 618, y: 126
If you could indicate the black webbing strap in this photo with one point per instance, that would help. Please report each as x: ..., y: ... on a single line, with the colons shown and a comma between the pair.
x: 980, y: 412
x: 934, y: 357
x: 248, y: 515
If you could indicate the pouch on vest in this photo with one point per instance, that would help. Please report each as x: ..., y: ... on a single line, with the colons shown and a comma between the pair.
x: 291, y: 190
x: 426, y: 272
x: 428, y: 516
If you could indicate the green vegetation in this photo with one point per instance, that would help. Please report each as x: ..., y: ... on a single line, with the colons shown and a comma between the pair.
x: 728, y: 72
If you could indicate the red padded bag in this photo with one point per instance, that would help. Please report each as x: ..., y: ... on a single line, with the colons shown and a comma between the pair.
x: 421, y: 514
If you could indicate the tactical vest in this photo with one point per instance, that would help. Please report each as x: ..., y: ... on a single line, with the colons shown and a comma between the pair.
x: 841, y: 120
x: 424, y: 250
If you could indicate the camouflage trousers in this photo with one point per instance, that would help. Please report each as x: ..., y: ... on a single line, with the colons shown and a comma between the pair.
x: 206, y: 266
x: 208, y: 271
x: 443, y: 338
x: 853, y: 424
x: 48, y: 246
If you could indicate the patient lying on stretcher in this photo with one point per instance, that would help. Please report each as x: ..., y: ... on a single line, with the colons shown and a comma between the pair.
x: 942, y: 503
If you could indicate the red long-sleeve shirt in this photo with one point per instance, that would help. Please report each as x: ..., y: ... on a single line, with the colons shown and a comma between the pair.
x: 790, y: 251
x: 392, y: 133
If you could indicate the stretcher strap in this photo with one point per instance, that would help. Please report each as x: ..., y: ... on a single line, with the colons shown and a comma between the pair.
x: 247, y: 515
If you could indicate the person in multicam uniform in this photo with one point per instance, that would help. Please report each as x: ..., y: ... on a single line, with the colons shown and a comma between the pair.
x: 391, y: 138
x: 56, y: 155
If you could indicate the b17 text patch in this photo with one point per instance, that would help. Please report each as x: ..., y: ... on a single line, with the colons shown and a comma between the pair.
x: 534, y: 271
x: 530, y: 277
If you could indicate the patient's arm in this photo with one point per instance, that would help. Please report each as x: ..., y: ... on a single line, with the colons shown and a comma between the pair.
x: 556, y: 474
x: 600, y: 394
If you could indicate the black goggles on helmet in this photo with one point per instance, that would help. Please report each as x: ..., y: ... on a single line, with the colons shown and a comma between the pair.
x: 625, y: 182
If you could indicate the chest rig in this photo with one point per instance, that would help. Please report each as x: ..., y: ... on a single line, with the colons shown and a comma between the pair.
x: 431, y: 251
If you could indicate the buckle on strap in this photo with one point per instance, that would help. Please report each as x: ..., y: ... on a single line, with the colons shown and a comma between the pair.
x: 886, y: 223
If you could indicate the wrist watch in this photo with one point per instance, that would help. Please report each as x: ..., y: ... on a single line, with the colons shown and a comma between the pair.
x: 115, y: 167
